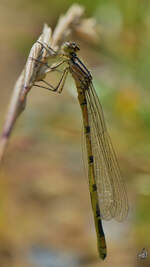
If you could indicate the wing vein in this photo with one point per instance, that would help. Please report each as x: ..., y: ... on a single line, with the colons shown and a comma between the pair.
x: 111, y: 189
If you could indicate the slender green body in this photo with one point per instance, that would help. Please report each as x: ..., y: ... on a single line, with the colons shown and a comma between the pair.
x: 92, y: 183
x: 83, y: 78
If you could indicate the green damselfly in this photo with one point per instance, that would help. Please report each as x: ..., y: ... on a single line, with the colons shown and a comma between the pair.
x: 106, y: 186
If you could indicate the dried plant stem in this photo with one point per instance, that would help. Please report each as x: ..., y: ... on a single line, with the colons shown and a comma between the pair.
x: 67, y: 24
x: 36, y: 68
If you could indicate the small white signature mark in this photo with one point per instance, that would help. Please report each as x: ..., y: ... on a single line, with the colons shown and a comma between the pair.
x: 143, y: 254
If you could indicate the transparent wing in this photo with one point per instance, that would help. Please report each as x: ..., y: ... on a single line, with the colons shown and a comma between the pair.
x: 110, y: 186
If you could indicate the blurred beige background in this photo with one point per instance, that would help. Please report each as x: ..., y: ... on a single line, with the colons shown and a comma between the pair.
x: 45, y: 211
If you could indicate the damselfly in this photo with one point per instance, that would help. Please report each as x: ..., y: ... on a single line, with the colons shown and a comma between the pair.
x: 107, y: 189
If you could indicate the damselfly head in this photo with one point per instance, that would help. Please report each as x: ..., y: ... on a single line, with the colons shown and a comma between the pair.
x: 70, y: 47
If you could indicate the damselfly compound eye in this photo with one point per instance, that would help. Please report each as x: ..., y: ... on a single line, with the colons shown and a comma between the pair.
x: 70, y: 47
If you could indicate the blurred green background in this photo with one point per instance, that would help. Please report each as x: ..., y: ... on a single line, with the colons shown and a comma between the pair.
x: 45, y: 211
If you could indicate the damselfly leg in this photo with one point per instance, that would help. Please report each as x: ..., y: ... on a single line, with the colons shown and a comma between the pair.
x: 59, y: 86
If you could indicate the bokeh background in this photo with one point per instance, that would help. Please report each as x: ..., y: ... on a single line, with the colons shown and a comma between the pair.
x: 45, y: 213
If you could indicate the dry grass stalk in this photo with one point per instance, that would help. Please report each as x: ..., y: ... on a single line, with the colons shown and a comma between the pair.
x: 24, y: 83
x: 36, y: 66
